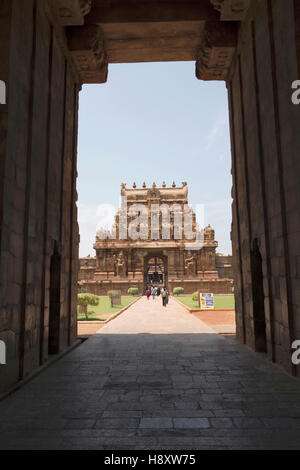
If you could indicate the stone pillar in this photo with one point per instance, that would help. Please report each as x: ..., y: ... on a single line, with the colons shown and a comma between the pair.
x: 9, y: 313
x: 266, y: 169
x: 38, y: 195
x: 297, y: 32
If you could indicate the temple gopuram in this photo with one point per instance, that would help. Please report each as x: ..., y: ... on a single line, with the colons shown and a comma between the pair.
x: 167, y: 251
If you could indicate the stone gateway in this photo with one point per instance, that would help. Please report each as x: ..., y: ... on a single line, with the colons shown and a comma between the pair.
x: 48, y: 49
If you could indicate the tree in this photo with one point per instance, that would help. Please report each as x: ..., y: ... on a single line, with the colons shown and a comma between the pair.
x: 87, y: 299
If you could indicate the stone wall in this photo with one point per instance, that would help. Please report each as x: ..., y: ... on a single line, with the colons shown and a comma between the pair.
x: 38, y: 132
x: 87, y: 268
x: 103, y: 287
x: 266, y: 171
x: 218, y: 286
x: 224, y: 266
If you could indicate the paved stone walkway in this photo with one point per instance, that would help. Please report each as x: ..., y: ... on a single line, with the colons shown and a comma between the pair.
x: 155, y: 378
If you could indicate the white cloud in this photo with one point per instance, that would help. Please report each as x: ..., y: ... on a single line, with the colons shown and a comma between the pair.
x: 219, y: 130
x: 91, y: 218
x: 218, y: 210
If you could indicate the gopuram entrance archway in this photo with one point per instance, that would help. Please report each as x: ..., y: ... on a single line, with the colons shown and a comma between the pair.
x: 48, y: 50
x: 155, y: 270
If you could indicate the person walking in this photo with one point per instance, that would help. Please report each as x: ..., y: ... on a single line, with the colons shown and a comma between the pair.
x: 153, y: 292
x: 147, y: 293
x: 167, y: 296
x: 164, y: 296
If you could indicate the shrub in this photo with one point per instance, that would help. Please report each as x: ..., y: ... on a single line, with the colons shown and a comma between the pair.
x: 195, y: 297
x: 84, y: 300
x: 178, y: 290
x: 133, y: 291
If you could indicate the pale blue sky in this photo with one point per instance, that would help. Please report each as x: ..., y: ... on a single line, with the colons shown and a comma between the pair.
x: 154, y: 122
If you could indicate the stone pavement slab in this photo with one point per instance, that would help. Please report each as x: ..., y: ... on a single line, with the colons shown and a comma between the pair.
x: 155, y: 378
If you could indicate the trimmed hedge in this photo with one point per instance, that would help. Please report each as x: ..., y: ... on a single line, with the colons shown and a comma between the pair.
x: 195, y: 296
x: 178, y: 290
x: 133, y: 291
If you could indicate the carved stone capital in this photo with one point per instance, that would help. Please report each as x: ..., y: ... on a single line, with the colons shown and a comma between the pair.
x: 231, y: 10
x: 219, y: 41
x: 86, y: 45
x: 72, y: 12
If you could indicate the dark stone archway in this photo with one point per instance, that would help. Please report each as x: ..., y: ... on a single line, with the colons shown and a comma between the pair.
x: 46, y: 55
x: 156, y: 255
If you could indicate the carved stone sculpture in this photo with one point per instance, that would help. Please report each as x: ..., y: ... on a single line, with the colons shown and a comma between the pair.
x: 231, y: 10
x: 216, y: 52
x: 87, y: 47
x: 72, y: 12
x: 190, y: 264
x: 121, y: 265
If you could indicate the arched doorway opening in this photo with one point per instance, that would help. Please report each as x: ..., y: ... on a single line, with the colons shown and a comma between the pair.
x: 54, y: 312
x: 259, y: 317
x: 155, y: 270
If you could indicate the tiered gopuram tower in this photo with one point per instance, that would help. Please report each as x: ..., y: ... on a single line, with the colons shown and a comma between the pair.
x: 163, y: 246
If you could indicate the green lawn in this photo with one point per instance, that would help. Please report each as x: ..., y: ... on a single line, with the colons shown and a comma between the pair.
x: 221, y: 301
x: 105, y: 308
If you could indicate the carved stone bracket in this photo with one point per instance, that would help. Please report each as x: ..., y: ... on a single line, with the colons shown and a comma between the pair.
x: 72, y: 12
x: 216, y: 52
x: 231, y: 10
x: 87, y: 47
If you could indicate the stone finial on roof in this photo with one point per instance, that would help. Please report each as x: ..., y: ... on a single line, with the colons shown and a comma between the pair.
x: 144, y: 185
x: 173, y: 184
x: 164, y: 184
x: 154, y: 185
x: 123, y: 189
x: 134, y: 185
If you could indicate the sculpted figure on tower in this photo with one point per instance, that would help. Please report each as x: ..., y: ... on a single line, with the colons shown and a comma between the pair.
x: 190, y: 264
x: 121, y: 265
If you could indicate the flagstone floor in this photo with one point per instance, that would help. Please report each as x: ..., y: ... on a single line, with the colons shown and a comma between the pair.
x: 155, y: 378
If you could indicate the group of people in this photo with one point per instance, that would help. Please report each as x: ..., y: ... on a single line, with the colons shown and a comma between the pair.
x: 156, y: 292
